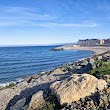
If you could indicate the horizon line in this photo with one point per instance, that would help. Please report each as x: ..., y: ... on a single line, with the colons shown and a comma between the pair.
x: 26, y: 45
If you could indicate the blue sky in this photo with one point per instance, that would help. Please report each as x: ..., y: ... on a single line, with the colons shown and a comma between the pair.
x: 32, y: 22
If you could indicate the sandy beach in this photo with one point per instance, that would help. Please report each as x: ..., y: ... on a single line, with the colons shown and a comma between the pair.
x: 95, y: 49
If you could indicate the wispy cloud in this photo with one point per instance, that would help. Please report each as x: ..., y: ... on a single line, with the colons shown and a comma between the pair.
x: 66, y: 24
x: 18, y: 16
x: 19, y: 13
x: 11, y: 16
x: 46, y: 24
x: 12, y: 23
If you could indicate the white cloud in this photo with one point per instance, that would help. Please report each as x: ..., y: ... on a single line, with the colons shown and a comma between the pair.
x: 18, y: 16
x: 65, y: 24
x: 46, y: 24
x: 12, y: 23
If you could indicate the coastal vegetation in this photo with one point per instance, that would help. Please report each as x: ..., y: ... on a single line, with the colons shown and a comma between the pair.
x: 52, y: 103
x: 8, y: 86
x: 11, y: 84
x: 101, y: 68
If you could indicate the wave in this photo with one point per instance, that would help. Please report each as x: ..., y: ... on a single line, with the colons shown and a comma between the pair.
x: 18, y: 80
x: 21, y: 62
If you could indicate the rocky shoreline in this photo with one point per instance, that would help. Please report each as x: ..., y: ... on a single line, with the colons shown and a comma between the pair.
x: 65, y: 87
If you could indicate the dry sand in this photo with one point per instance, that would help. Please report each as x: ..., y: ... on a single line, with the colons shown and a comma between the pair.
x: 95, y: 49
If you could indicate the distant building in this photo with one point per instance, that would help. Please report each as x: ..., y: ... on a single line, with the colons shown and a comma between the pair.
x: 89, y: 42
x: 93, y: 42
x: 107, y: 41
x: 102, y: 42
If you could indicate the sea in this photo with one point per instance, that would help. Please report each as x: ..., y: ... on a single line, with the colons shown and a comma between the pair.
x: 17, y: 63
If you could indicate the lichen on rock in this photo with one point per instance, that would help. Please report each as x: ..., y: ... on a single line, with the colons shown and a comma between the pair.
x: 76, y: 87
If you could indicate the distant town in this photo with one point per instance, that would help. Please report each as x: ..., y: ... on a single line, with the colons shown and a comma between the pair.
x: 94, y: 42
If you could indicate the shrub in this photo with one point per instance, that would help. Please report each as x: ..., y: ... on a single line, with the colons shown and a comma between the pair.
x: 52, y: 103
x: 49, y: 106
x: 11, y: 84
x: 102, y: 68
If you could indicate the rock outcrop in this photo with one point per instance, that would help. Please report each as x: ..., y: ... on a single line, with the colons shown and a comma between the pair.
x: 9, y: 97
x: 57, y: 49
x: 100, y: 100
x: 37, y: 101
x: 76, y: 87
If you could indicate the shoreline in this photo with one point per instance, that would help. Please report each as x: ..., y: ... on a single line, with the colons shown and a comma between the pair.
x: 21, y: 79
x: 42, y: 81
x: 96, y: 49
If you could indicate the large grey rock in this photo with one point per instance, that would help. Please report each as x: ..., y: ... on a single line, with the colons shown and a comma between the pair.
x: 76, y: 87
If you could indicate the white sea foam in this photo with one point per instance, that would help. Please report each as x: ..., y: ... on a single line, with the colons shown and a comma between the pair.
x: 7, y: 83
x: 18, y: 80
x: 42, y: 72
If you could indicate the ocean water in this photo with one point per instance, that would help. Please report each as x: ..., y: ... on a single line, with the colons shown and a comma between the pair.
x: 20, y: 62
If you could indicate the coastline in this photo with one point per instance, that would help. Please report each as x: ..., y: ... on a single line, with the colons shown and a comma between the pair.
x: 96, y: 49
x: 19, y: 80
x: 42, y: 81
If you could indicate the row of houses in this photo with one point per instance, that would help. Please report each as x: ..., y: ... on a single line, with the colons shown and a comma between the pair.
x: 92, y: 42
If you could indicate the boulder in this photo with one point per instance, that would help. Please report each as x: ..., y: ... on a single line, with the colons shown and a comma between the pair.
x: 99, y: 57
x: 58, y: 71
x: 98, y: 101
x: 37, y: 101
x: 19, y: 104
x: 76, y: 87
x: 62, y: 70
x: 92, y: 61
